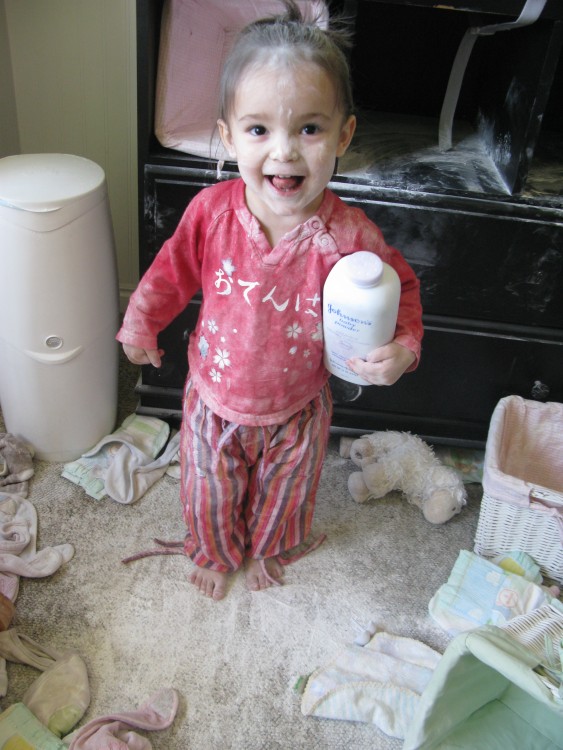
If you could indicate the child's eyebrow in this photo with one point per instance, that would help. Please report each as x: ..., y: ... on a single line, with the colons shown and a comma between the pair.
x: 261, y: 116
x: 252, y: 117
x: 316, y: 116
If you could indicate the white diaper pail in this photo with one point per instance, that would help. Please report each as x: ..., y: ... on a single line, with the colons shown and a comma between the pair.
x: 59, y: 309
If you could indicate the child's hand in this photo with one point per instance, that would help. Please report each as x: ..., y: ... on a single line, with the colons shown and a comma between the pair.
x: 139, y: 356
x: 383, y: 366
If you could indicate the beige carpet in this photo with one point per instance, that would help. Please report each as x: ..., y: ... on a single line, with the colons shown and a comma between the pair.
x: 142, y: 626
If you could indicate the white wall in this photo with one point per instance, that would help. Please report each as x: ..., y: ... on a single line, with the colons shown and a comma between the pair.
x: 73, y: 64
x: 9, y: 134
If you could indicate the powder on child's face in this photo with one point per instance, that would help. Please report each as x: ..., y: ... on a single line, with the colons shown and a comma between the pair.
x: 286, y: 132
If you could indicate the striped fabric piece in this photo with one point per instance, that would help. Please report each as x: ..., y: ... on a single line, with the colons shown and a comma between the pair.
x: 249, y: 491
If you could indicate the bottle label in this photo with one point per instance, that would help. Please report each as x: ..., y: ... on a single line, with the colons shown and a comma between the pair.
x: 345, y: 337
x: 360, y: 328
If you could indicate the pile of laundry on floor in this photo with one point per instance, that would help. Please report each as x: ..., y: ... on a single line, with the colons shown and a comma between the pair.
x: 501, y: 673
x: 122, y: 466
x: 386, y: 680
x: 125, y: 464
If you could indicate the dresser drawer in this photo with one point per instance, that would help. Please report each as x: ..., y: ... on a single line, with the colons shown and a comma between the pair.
x: 461, y: 377
x: 494, y: 263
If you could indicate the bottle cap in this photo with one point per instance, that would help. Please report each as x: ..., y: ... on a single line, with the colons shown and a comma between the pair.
x: 363, y: 268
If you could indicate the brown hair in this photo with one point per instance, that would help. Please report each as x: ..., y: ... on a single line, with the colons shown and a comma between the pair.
x: 293, y: 40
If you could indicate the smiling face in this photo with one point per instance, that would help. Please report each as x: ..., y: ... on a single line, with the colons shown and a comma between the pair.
x: 285, y: 131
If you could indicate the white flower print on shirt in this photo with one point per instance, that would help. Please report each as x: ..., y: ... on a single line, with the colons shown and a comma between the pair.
x: 212, y: 325
x: 215, y: 375
x: 317, y: 334
x: 222, y: 358
x: 293, y: 331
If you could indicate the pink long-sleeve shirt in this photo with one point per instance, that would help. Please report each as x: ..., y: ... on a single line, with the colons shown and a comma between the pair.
x: 256, y: 355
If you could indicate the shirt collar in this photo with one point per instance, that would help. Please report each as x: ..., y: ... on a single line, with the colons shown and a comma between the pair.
x: 314, y: 224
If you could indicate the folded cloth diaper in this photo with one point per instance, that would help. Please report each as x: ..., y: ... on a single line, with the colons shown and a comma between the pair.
x: 478, y: 592
x: 60, y: 696
x: 16, y: 464
x: 101, y: 470
x: 468, y: 463
x: 521, y: 564
x: 113, y: 731
x: 379, y: 683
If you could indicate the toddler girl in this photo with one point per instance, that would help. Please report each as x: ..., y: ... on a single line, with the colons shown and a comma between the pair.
x: 257, y: 405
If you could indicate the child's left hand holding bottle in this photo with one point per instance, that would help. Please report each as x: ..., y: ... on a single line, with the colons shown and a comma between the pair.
x: 139, y: 356
x: 384, y: 365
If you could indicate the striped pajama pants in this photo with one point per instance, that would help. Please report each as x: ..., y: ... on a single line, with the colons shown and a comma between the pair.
x: 249, y: 491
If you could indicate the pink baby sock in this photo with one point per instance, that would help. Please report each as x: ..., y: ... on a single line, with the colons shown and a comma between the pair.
x: 43, y: 563
x: 18, y: 541
x: 112, y: 732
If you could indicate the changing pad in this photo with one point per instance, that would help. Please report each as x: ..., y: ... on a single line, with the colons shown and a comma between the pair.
x: 196, y: 37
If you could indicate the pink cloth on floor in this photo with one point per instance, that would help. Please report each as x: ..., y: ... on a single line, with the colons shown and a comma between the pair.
x: 16, y: 464
x: 18, y: 545
x: 113, y: 732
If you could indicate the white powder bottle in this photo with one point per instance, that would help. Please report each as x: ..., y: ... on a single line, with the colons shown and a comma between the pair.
x: 360, y: 305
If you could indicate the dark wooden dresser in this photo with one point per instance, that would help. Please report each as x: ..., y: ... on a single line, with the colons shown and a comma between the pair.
x: 481, y: 223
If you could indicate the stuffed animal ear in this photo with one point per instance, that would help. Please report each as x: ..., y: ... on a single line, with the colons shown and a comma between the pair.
x: 361, y: 451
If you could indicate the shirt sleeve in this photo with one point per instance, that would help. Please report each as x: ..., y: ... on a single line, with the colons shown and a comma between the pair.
x: 168, y: 284
x: 409, y: 330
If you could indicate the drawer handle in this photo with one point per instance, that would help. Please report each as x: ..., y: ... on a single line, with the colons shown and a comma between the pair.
x: 540, y: 391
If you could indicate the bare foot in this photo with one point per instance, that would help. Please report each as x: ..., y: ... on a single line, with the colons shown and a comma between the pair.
x: 261, y: 574
x: 211, y: 583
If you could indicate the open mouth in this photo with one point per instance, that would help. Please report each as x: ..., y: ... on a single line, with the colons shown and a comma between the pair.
x: 285, y: 182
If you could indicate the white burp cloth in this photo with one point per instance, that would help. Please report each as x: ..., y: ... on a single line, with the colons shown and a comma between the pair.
x: 379, y: 683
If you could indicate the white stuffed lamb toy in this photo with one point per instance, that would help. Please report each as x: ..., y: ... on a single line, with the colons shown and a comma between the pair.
x: 401, y: 461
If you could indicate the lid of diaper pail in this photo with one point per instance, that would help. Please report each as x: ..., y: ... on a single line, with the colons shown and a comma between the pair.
x: 47, y: 182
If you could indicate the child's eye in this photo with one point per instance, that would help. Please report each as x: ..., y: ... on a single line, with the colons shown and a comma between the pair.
x: 257, y: 130
x: 310, y: 129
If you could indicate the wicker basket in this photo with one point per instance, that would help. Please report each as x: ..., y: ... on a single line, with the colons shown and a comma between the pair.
x: 522, y: 506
